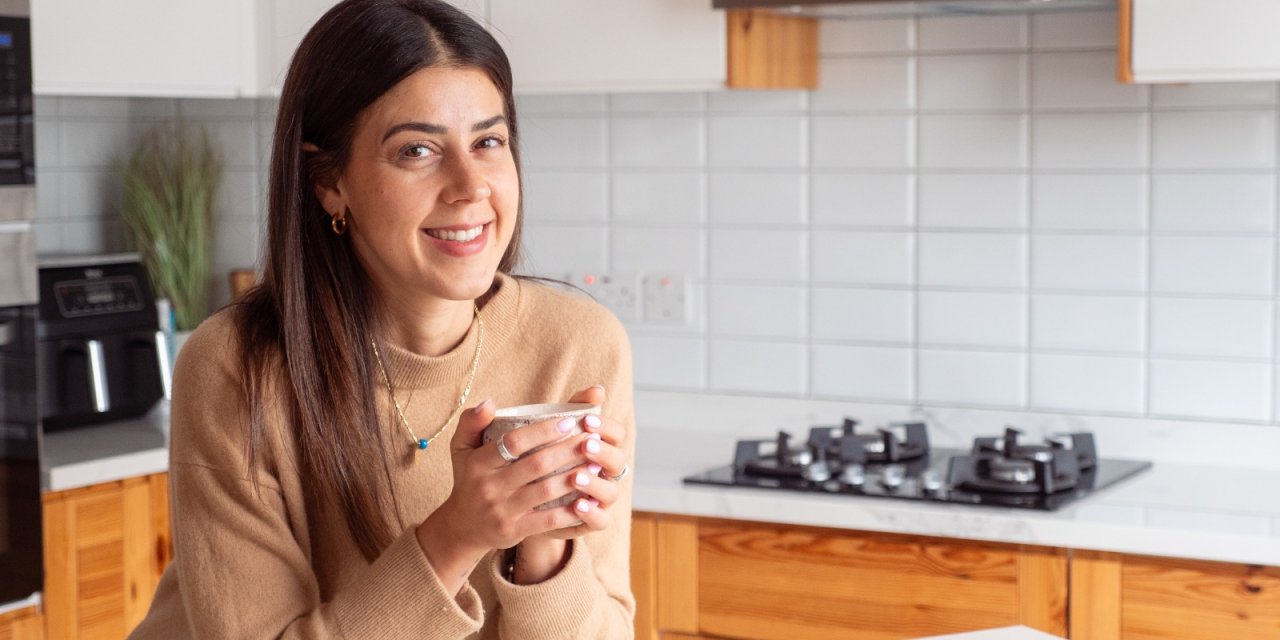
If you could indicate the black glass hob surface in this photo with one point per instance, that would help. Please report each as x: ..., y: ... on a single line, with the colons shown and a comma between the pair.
x: 896, y: 462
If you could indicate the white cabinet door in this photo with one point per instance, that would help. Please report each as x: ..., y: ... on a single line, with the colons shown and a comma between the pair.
x: 1205, y: 40
x: 282, y: 25
x: 141, y: 47
x: 611, y: 45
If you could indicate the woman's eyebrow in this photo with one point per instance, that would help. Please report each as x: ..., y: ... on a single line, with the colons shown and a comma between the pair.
x: 427, y: 127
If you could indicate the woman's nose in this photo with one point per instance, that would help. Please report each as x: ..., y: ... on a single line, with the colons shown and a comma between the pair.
x: 467, y: 183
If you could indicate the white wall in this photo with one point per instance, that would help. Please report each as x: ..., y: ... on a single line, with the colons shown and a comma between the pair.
x: 969, y: 213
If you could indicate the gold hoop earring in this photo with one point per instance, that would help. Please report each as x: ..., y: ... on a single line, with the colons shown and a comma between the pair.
x: 339, y: 225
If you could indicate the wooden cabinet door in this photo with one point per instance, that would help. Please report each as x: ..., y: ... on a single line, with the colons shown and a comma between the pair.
x: 141, y: 47
x: 775, y: 582
x: 1200, y: 40
x: 105, y: 548
x: 23, y: 624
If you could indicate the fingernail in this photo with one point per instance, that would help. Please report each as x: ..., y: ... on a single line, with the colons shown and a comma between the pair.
x: 593, y: 446
x: 594, y: 469
x: 565, y: 426
x: 582, y: 479
x: 582, y: 505
x: 598, y: 386
x: 593, y: 502
x: 480, y: 407
x: 592, y: 420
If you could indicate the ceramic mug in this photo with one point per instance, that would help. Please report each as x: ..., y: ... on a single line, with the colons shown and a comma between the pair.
x: 511, y: 418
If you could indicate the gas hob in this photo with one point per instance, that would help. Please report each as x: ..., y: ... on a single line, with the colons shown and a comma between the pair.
x: 897, y: 462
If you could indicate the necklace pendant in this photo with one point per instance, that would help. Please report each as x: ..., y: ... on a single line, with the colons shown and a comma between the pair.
x: 423, y: 443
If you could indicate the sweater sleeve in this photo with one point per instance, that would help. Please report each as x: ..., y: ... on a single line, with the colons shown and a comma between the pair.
x: 591, y: 595
x: 240, y: 569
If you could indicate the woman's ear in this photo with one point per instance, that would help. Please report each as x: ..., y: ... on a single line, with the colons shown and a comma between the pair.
x: 324, y: 180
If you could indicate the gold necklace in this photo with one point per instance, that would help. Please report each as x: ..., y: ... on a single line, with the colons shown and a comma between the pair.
x: 421, y: 444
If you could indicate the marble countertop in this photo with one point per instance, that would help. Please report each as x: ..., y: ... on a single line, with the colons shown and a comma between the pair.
x: 1210, y: 512
x: 1178, y: 510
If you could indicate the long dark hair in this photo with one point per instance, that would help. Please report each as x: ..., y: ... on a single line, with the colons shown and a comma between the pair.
x: 304, y: 330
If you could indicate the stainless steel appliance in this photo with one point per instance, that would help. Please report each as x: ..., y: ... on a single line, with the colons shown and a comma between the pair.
x: 897, y: 462
x: 21, y: 556
x: 102, y: 354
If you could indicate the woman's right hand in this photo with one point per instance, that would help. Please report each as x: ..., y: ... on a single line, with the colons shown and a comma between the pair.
x: 492, y: 502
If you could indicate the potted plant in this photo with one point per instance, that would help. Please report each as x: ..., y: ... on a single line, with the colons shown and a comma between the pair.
x: 170, y: 184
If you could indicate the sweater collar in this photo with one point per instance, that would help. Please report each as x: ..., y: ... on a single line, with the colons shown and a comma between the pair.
x: 409, y: 370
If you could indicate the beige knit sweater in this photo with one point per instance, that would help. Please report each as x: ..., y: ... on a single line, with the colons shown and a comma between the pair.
x: 261, y: 565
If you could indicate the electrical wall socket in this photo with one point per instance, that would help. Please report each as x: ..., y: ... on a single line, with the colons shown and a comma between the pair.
x: 620, y: 292
x: 666, y: 298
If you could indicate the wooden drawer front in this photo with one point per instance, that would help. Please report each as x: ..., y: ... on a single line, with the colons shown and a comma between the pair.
x: 1171, y: 599
x: 23, y: 624
x: 765, y: 582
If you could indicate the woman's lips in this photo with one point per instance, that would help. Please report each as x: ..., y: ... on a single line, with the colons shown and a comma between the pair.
x: 460, y: 248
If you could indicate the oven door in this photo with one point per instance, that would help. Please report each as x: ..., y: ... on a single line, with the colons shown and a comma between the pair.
x: 21, y: 551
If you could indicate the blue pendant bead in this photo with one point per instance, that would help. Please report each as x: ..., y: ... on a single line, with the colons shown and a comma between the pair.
x: 422, y: 444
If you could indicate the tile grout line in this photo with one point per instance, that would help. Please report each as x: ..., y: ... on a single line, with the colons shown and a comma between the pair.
x: 1149, y: 246
x: 1028, y: 309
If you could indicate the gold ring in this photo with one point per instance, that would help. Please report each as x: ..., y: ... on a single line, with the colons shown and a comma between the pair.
x: 502, y: 450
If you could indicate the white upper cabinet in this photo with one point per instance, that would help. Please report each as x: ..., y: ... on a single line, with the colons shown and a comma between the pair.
x: 611, y: 45
x: 1202, y: 40
x: 141, y: 47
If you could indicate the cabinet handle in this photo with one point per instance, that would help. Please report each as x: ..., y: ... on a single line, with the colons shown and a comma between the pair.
x: 166, y: 374
x: 98, y: 376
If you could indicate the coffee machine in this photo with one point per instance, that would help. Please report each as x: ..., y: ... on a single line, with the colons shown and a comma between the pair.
x: 102, y: 354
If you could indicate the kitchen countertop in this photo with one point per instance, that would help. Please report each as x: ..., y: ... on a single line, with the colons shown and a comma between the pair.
x: 1175, y: 509
x: 1178, y: 510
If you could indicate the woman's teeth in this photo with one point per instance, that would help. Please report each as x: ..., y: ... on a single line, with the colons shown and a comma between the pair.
x: 456, y: 236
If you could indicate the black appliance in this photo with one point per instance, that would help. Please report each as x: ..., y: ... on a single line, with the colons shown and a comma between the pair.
x: 21, y: 550
x: 102, y: 354
x: 897, y: 462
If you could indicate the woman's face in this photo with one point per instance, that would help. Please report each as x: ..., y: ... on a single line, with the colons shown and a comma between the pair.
x: 431, y: 186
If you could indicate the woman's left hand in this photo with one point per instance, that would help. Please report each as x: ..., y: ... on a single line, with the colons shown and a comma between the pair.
x: 540, y: 556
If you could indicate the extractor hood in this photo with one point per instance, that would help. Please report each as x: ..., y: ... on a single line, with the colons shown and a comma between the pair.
x: 850, y: 9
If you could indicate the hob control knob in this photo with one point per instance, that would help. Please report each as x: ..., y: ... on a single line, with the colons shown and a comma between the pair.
x: 892, y: 476
x: 816, y: 471
x: 853, y: 475
x: 931, y: 481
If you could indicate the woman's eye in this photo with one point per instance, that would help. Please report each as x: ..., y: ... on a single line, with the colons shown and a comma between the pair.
x: 491, y: 142
x: 416, y: 151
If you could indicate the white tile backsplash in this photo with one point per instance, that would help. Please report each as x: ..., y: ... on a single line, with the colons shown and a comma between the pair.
x: 768, y: 256
x: 973, y: 33
x: 1089, y: 263
x: 556, y: 251
x: 1090, y: 141
x: 1090, y: 383
x: 1195, y: 202
x: 1201, y: 389
x: 1198, y: 264
x: 862, y: 315
x: 973, y: 201
x: 1082, y: 80
x: 1214, y: 140
x: 665, y: 362
x: 1211, y: 327
x: 973, y: 81
x: 757, y: 311
x: 659, y: 197
x: 853, y: 37
x: 668, y: 142
x: 863, y: 142
x: 989, y: 141
x: 674, y: 250
x: 862, y: 257
x: 563, y: 142
x: 657, y: 102
x: 862, y: 373
x: 861, y: 84
x: 570, y: 196
x: 1114, y: 202
x: 860, y: 199
x: 759, y: 367
x: 1214, y: 94
x: 1116, y: 324
x: 758, y: 198
x: 972, y: 260
x: 969, y: 319
x: 751, y: 142
x: 1073, y: 29
x: 972, y: 378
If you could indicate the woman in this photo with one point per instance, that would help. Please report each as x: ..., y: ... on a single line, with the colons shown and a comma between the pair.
x: 326, y: 479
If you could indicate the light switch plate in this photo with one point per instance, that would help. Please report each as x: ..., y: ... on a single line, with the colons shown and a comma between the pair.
x: 666, y: 298
x: 619, y: 292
